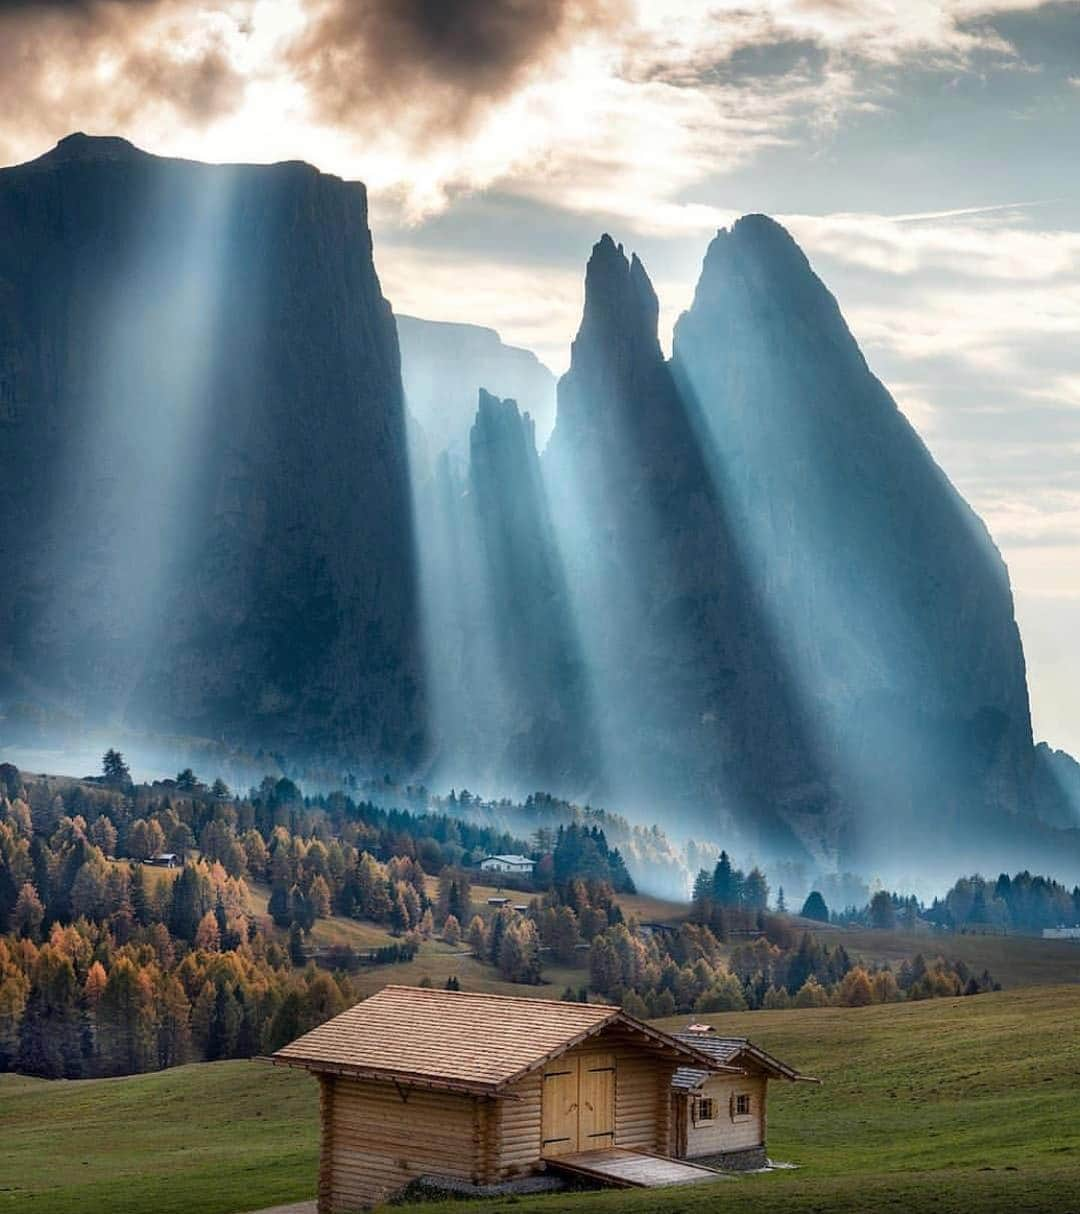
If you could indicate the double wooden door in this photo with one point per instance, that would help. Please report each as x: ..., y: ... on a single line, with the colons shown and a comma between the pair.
x: 578, y: 1111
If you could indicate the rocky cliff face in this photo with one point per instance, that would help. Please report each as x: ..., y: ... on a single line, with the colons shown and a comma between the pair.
x: 205, y: 520
x: 1056, y: 787
x: 545, y: 720
x: 690, y: 708
x: 443, y: 365
x: 889, y: 604
x: 792, y: 621
x: 735, y: 591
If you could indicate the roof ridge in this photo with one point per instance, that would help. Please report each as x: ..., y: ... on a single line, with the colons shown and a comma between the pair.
x: 709, y: 1036
x: 429, y: 990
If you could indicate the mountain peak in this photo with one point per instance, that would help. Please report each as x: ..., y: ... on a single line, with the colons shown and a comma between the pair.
x: 80, y: 146
x: 620, y: 303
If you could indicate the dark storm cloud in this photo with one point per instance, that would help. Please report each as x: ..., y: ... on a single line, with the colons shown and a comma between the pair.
x: 440, y: 60
x: 145, y: 44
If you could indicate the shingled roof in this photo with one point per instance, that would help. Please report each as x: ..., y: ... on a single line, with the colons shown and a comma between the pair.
x: 729, y: 1051
x: 463, y: 1041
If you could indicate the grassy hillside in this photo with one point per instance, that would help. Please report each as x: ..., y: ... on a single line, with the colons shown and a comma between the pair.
x: 1013, y: 960
x: 946, y: 1106
x: 213, y: 1137
x: 950, y: 1105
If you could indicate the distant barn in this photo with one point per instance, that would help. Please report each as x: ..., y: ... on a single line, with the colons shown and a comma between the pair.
x: 480, y: 1088
x: 520, y: 866
x: 165, y: 859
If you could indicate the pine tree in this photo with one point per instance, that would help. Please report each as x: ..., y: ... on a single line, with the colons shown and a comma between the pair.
x: 50, y: 1043
x: 702, y: 897
x: 814, y: 908
x: 115, y: 769
x: 287, y: 1023
x: 296, y: 947
x: 225, y: 1022
x: 191, y: 899
x: 279, y: 909
x: 882, y: 911
x: 723, y: 884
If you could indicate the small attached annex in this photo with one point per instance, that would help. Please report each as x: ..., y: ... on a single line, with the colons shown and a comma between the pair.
x: 720, y: 1119
x: 480, y: 1088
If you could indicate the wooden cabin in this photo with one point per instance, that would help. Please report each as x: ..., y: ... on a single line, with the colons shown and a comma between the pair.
x: 481, y: 1088
x: 720, y: 1119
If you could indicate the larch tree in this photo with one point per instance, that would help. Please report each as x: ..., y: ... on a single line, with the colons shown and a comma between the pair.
x: 208, y: 933
x: 126, y: 1020
x: 28, y: 914
x: 103, y: 834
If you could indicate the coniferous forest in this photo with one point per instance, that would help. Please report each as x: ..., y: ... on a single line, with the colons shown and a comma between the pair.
x: 144, y: 926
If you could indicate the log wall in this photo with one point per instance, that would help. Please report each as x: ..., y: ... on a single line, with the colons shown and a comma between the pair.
x: 374, y: 1142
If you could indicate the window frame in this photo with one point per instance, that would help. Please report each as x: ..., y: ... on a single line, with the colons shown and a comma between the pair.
x: 742, y: 1108
x: 700, y: 1105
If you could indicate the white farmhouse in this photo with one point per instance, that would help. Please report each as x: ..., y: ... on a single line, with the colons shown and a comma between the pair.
x: 522, y: 866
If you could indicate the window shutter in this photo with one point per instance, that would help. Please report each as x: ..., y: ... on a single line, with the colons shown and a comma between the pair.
x: 731, y: 1106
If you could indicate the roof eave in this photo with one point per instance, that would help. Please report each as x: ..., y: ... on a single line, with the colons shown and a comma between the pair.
x: 385, y: 1075
x: 683, y: 1049
x: 687, y: 1054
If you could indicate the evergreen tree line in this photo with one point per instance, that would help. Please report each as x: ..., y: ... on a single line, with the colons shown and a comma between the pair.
x: 1022, y: 903
x: 662, y: 973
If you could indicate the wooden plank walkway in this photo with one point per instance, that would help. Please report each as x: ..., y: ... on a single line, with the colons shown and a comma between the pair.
x: 631, y: 1169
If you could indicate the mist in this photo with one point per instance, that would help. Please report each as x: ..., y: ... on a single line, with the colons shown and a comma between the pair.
x: 731, y: 594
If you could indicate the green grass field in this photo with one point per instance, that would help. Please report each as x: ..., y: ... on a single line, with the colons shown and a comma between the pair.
x: 212, y: 1137
x: 951, y: 1105
x: 1013, y: 960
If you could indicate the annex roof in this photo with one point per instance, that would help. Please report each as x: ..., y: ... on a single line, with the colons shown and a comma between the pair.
x: 463, y: 1041
x: 510, y: 859
x: 729, y: 1051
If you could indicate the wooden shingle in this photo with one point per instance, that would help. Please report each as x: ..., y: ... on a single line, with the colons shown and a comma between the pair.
x: 461, y: 1041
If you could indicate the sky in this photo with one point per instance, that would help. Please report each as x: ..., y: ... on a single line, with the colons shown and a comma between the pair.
x: 925, y: 154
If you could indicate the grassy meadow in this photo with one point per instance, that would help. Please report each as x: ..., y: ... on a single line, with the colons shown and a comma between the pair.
x: 949, y: 1105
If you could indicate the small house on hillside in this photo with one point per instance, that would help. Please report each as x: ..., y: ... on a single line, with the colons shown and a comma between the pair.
x: 719, y: 1119
x: 480, y: 1088
x: 164, y: 859
x: 520, y: 866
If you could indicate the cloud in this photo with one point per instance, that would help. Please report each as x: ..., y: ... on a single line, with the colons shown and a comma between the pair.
x: 984, y: 242
x: 430, y: 63
x: 114, y: 65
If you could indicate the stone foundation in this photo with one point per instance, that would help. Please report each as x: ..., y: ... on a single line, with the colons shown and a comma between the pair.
x: 745, y: 1160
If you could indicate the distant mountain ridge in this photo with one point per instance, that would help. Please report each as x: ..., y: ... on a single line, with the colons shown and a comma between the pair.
x: 443, y: 366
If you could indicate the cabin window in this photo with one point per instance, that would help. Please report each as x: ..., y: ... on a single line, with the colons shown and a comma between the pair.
x: 742, y: 1104
x: 706, y: 1110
